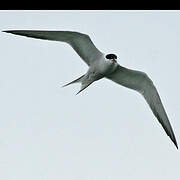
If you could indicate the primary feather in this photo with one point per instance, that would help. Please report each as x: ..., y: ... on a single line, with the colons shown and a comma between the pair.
x: 81, y: 43
x: 140, y: 82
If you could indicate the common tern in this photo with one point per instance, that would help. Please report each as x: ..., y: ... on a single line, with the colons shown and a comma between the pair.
x: 105, y: 66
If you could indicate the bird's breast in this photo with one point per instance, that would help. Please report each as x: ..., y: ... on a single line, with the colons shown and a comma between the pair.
x: 105, y: 67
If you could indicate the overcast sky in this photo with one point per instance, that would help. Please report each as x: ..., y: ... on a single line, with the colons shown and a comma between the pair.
x: 107, y: 132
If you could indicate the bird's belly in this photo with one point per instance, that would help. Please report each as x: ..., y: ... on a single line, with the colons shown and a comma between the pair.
x: 100, y: 70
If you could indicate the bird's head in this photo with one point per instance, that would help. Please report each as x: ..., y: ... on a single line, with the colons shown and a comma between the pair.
x: 111, y: 57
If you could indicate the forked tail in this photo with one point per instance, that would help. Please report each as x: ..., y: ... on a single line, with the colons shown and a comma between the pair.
x: 75, y: 81
x: 84, y: 83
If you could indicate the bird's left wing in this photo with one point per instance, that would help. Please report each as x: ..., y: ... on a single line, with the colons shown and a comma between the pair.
x: 140, y: 82
x: 81, y: 43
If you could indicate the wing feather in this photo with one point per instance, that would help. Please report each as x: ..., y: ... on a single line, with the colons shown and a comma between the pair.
x: 140, y: 82
x: 81, y: 43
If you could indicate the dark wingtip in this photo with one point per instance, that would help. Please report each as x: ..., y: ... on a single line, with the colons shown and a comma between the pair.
x: 175, y: 143
x: 7, y: 31
x: 10, y: 31
x: 176, y: 146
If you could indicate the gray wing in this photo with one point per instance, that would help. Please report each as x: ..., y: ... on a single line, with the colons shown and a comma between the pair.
x: 140, y: 82
x: 81, y: 43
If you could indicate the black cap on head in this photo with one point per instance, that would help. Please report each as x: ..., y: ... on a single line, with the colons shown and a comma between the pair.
x: 111, y: 56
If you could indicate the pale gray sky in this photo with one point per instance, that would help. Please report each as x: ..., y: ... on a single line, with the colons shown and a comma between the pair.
x: 107, y: 132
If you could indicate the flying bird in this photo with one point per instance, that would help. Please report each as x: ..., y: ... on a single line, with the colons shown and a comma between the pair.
x: 105, y: 66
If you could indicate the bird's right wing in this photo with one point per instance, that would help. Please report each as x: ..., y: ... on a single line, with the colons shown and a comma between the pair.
x: 140, y: 82
x: 81, y: 43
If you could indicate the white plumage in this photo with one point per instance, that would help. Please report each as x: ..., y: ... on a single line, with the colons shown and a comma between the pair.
x: 101, y: 65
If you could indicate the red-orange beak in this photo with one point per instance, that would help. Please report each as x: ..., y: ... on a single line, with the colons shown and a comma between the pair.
x: 114, y: 61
